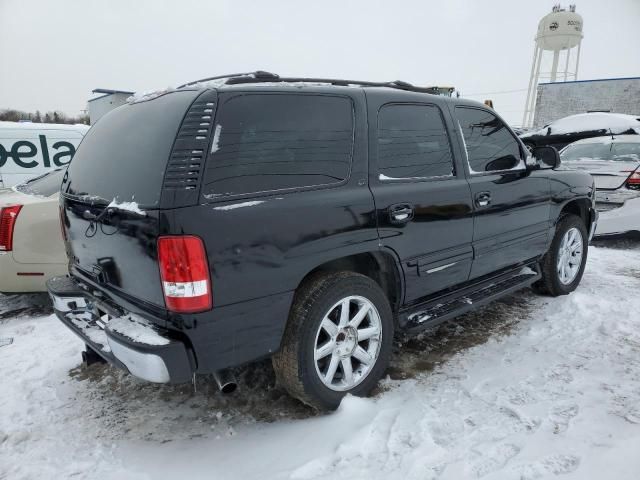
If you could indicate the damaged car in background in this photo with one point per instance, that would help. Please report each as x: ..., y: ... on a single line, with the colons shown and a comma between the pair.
x: 614, y: 163
x: 570, y: 129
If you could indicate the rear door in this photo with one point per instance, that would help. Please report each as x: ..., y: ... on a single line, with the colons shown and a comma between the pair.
x: 423, y: 202
x: 511, y: 204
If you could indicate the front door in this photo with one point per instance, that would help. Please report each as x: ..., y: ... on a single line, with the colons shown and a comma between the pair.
x: 511, y: 204
x: 423, y: 201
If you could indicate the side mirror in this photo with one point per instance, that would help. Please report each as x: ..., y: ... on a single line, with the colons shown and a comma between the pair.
x: 545, y: 157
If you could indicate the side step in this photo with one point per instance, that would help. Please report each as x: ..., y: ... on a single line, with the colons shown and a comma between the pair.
x: 445, y: 307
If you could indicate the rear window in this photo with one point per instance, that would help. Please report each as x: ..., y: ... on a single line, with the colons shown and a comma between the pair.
x: 124, y: 155
x: 618, y: 152
x: 267, y: 142
x: 44, y: 185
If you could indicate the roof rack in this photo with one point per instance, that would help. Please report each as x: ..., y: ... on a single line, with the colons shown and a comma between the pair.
x: 256, y: 75
x: 264, y: 77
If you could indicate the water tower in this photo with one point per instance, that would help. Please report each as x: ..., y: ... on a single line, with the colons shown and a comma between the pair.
x: 559, y: 31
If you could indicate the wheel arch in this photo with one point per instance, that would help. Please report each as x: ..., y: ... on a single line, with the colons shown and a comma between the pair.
x: 382, y: 266
x: 580, y: 207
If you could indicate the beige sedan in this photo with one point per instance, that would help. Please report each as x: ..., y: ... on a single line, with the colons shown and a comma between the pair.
x: 31, y: 246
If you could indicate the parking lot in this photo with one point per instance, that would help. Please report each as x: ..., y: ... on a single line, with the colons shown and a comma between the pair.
x: 529, y: 387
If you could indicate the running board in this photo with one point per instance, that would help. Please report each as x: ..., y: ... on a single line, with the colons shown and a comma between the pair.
x: 450, y: 305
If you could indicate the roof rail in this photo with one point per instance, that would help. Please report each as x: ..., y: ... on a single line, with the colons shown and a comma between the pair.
x: 257, y: 75
x: 260, y: 76
x: 398, y: 84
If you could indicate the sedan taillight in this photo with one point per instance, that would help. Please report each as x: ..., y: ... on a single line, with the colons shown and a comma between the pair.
x: 8, y: 216
x: 633, y: 182
x: 184, y: 271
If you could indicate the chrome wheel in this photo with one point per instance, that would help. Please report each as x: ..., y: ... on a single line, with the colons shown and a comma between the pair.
x: 347, y: 343
x: 570, y: 256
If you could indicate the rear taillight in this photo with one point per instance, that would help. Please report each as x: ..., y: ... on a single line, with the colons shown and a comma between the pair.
x: 184, y: 271
x: 8, y: 216
x: 633, y: 181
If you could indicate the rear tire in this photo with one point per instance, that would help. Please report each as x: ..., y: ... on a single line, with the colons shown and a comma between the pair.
x: 563, y: 265
x: 324, y: 353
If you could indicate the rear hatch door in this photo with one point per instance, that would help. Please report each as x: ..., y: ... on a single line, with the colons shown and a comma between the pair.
x: 111, y: 197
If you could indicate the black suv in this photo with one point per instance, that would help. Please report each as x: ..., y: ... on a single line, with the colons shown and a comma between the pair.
x: 306, y: 220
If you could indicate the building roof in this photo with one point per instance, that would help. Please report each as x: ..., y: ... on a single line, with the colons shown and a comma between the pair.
x: 593, y: 80
x: 107, y: 92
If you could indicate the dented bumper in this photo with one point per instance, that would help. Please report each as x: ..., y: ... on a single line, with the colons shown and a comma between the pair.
x: 125, y: 340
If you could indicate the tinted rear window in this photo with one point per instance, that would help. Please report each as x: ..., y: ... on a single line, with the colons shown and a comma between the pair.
x: 44, y: 185
x: 124, y: 155
x: 266, y: 142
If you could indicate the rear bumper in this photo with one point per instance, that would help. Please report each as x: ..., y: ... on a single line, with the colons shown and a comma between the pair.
x: 18, y: 277
x: 595, y: 218
x: 620, y: 220
x: 125, y: 340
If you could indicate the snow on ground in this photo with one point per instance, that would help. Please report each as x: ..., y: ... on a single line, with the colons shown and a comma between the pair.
x: 527, y: 388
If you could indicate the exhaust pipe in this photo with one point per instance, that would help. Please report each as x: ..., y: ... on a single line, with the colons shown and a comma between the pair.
x: 225, y: 380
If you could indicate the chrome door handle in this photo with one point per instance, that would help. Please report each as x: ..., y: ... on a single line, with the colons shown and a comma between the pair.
x: 400, y: 213
x: 483, y: 199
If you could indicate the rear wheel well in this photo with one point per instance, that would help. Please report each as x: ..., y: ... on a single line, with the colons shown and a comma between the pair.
x: 379, y: 266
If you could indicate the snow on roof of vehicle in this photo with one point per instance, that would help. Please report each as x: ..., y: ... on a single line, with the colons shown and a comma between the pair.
x: 586, y: 122
x: 583, y: 122
x: 609, y: 139
x: 43, y: 126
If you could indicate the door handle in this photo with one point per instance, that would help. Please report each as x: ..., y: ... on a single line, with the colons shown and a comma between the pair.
x: 483, y: 199
x: 400, y: 213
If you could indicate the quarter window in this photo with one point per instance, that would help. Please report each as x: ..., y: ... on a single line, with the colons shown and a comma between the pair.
x: 489, y: 143
x: 412, y: 143
x: 266, y: 142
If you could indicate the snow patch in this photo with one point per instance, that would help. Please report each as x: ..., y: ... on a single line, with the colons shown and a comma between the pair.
x: 96, y: 334
x: 216, y: 139
x: 527, y: 271
x: 138, y: 329
x: 233, y: 206
x: 614, y: 123
x: 127, y: 207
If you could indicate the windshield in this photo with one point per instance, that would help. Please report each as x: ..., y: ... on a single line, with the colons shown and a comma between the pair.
x: 44, y: 185
x: 610, y: 151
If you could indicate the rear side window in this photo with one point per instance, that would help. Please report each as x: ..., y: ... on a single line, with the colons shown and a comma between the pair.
x: 412, y: 142
x: 266, y: 142
x: 490, y: 145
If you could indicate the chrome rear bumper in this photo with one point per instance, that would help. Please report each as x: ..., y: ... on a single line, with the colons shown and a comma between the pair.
x: 127, y: 341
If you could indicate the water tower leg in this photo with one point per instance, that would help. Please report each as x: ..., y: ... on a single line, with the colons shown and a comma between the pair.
x: 554, y: 66
x: 531, y: 103
x: 566, y: 65
x: 533, y: 69
x: 575, y: 75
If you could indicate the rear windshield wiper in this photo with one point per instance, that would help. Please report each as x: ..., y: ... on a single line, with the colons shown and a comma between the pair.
x: 86, y: 198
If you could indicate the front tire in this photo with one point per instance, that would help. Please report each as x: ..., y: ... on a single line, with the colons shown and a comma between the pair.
x: 563, y: 265
x: 337, y: 341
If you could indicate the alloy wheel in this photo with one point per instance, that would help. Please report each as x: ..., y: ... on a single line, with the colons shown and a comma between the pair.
x: 347, y: 343
x: 570, y: 256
